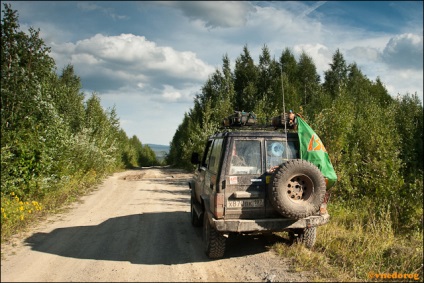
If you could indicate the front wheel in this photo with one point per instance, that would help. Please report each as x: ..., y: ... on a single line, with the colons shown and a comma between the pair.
x: 195, y: 220
x: 214, y: 242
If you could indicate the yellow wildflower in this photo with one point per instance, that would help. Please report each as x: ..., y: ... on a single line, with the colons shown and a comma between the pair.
x: 22, y: 217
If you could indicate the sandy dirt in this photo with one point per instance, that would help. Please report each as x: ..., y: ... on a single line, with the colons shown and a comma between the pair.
x: 136, y: 227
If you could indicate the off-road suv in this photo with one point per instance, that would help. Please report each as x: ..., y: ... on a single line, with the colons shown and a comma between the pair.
x: 251, y: 179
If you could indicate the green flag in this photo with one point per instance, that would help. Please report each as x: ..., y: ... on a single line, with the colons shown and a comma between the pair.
x: 313, y: 150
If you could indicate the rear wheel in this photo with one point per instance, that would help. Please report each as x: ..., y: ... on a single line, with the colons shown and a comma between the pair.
x: 213, y: 240
x: 306, y: 236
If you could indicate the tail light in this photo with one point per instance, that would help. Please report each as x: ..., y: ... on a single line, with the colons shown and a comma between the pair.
x: 219, y: 205
x: 323, y: 207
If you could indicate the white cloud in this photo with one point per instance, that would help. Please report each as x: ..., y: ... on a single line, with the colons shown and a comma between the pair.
x: 171, y: 94
x: 405, y: 51
x: 128, y: 59
x: 215, y: 13
x: 399, y: 82
x: 282, y: 25
x: 184, y: 94
x: 85, y: 59
x: 91, y: 6
x: 364, y: 54
x: 313, y: 8
x: 88, y: 6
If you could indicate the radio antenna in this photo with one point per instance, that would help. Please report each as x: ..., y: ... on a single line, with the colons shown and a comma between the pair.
x: 284, y: 112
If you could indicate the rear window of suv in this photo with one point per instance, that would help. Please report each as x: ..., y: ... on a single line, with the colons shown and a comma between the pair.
x: 246, y: 157
x: 279, y: 151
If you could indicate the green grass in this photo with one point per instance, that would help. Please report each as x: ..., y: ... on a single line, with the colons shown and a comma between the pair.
x: 17, y: 214
x: 356, y: 244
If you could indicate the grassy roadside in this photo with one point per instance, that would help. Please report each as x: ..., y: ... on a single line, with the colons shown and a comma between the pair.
x: 357, y: 246
x: 17, y: 214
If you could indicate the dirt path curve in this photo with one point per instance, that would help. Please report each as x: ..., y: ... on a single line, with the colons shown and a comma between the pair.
x: 135, y: 227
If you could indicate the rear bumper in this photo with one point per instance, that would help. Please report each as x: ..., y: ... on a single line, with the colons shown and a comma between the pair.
x: 274, y: 225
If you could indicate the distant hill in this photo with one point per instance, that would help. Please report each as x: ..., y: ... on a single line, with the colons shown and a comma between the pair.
x: 160, y: 150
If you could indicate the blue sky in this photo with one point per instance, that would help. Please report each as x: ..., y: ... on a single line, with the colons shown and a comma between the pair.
x: 149, y: 59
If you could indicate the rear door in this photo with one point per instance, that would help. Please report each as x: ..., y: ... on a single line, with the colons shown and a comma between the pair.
x: 208, y: 173
x: 245, y: 187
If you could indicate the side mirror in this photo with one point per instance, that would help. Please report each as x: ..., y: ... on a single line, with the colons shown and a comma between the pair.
x: 195, y: 158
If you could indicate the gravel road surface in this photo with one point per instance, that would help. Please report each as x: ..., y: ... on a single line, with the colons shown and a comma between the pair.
x: 135, y: 227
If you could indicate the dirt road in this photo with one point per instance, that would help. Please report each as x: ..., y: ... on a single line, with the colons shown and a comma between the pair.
x: 136, y: 227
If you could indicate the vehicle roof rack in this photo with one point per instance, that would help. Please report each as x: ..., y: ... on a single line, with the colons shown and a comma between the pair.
x: 239, y: 119
x: 242, y: 120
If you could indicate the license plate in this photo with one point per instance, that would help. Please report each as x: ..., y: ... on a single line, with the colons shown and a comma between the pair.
x: 246, y: 203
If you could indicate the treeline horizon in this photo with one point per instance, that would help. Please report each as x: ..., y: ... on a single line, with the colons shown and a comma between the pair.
x: 375, y: 141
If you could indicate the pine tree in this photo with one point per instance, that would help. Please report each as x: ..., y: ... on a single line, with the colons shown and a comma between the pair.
x: 69, y: 99
x: 308, y: 78
x: 246, y: 81
x: 335, y: 78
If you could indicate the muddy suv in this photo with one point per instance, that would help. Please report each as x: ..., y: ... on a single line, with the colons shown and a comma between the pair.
x: 250, y: 179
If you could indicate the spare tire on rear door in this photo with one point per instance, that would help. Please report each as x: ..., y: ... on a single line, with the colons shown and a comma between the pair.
x: 297, y: 189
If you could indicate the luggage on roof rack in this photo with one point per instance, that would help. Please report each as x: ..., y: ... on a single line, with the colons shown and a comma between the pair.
x: 240, y: 118
x: 285, y: 120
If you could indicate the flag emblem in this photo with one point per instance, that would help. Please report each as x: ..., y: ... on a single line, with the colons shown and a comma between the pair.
x: 315, y: 144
